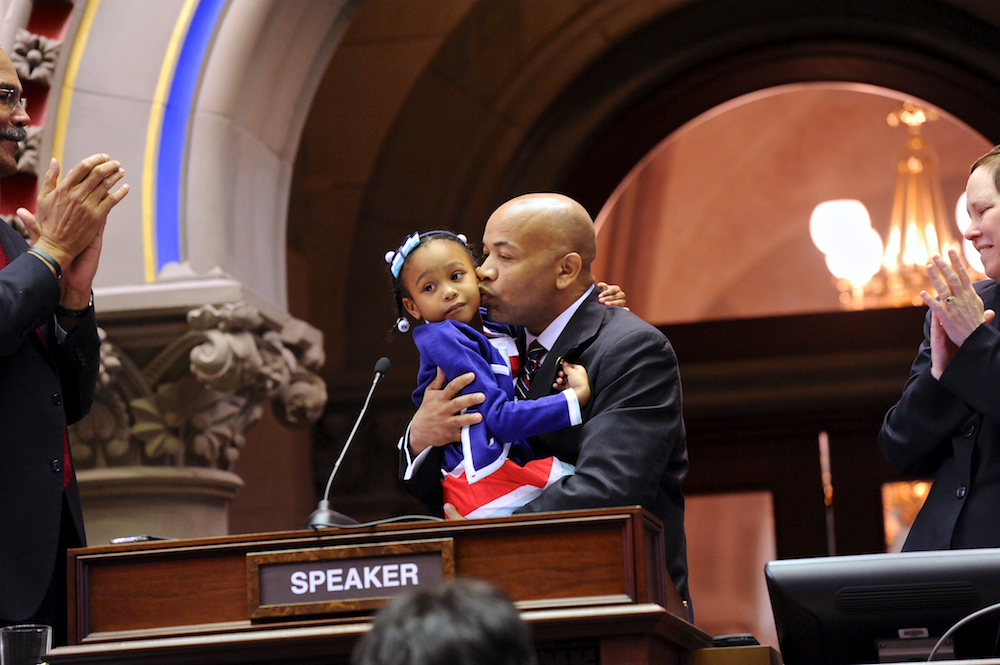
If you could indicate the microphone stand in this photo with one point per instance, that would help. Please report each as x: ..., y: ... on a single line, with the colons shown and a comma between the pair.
x: 323, y: 517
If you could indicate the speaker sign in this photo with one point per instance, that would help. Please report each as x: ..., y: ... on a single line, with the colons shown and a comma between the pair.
x: 326, y: 581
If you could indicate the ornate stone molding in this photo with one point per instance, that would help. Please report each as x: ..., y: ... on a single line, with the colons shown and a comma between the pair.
x: 35, y: 57
x: 192, y: 403
x: 28, y: 150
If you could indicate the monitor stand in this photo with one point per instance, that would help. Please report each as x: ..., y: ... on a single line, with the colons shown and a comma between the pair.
x: 913, y: 650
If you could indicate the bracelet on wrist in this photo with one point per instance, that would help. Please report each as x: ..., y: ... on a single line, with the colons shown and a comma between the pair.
x: 47, y: 259
x: 75, y: 313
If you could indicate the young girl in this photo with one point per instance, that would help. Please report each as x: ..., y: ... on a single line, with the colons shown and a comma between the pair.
x: 491, y: 471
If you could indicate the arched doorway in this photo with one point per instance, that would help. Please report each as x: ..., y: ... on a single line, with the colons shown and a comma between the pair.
x: 722, y: 206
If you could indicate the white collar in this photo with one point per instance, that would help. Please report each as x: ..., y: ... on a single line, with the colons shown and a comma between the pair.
x: 553, y: 330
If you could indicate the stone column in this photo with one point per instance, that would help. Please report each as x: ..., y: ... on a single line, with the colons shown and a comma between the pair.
x: 180, y: 385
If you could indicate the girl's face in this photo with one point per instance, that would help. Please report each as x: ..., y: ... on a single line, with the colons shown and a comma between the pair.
x: 441, y: 283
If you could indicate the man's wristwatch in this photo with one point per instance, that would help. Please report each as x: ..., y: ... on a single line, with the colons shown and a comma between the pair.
x: 75, y: 313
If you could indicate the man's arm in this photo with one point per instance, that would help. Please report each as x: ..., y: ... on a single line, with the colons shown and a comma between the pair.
x: 79, y: 360
x: 68, y: 230
x: 436, y: 423
x: 439, y: 419
x: 29, y: 293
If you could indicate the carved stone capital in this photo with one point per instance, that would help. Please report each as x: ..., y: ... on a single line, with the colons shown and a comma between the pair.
x: 28, y: 150
x: 34, y: 57
x: 191, y: 403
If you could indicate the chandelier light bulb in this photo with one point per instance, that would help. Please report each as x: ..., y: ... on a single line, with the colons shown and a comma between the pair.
x: 833, y: 224
x: 858, y: 259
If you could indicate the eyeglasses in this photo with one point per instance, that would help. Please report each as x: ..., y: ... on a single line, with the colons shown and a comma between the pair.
x: 12, y: 97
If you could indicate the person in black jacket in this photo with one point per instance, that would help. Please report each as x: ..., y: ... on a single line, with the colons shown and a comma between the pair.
x: 49, y: 362
x: 630, y: 449
x: 947, y: 422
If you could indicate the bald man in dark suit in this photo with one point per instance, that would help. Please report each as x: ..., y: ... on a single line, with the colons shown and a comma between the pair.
x: 631, y: 446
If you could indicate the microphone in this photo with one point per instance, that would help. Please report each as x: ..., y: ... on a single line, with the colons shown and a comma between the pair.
x: 323, y: 517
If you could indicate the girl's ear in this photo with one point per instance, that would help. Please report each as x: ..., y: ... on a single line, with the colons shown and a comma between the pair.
x: 411, y: 308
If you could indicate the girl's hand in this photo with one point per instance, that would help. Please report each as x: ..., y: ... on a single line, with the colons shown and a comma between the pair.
x: 611, y: 295
x: 574, y: 377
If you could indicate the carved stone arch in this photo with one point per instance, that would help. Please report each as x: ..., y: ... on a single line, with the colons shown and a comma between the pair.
x: 264, y: 66
x: 443, y: 160
x: 722, y: 50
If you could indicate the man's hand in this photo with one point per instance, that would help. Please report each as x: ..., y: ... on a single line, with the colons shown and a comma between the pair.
x: 439, y: 420
x: 78, y: 276
x: 72, y: 213
x: 451, y: 513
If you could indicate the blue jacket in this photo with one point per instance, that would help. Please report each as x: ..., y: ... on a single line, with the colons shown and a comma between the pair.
x: 458, y: 348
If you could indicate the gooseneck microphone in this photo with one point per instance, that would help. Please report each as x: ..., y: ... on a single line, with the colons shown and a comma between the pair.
x: 323, y: 517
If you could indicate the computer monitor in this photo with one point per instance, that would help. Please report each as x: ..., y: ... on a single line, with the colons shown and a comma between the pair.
x: 848, y: 609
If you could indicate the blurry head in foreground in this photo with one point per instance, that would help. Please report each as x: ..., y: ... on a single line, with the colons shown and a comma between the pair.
x: 465, y: 622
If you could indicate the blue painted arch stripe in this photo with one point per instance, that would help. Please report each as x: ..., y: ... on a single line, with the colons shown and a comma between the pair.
x: 174, y: 133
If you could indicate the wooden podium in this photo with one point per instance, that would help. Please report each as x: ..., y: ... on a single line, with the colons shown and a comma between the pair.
x: 586, y: 581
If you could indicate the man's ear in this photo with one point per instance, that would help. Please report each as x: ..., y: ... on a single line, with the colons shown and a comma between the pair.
x: 569, y: 266
x: 411, y: 308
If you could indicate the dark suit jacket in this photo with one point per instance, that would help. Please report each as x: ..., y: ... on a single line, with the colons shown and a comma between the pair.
x: 631, y: 447
x: 40, y: 384
x: 951, y: 429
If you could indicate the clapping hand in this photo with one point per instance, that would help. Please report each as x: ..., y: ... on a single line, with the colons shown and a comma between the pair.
x: 956, y: 312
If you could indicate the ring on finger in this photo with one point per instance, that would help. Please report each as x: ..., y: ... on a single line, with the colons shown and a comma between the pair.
x: 950, y: 299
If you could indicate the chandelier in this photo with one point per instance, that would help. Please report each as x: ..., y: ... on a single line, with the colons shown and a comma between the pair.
x: 869, y: 272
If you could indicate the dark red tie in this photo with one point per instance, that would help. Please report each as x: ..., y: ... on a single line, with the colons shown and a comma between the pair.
x: 67, y: 467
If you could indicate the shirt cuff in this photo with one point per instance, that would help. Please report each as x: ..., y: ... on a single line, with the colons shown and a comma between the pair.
x: 412, y: 463
x: 575, y: 418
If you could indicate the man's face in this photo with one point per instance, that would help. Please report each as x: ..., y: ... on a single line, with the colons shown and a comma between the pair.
x: 983, y: 201
x: 11, y: 122
x: 517, y: 277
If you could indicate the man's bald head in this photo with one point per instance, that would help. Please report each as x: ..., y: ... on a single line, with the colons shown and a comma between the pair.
x: 539, y: 249
x: 565, y: 225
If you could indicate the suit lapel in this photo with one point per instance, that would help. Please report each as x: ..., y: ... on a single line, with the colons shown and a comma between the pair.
x: 576, y: 336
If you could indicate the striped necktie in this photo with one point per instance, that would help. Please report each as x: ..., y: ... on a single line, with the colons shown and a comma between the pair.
x: 67, y: 465
x: 533, y: 360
